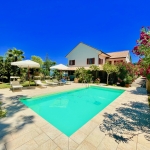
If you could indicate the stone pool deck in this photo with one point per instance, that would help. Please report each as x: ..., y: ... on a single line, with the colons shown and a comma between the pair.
x: 122, y: 125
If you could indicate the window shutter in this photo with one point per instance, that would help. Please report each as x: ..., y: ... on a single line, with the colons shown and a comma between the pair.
x: 98, y: 60
x: 73, y: 62
x: 93, y: 60
x: 87, y: 60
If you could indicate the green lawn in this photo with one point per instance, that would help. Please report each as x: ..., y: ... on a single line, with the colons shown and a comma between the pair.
x: 4, y: 85
x: 27, y: 83
x: 7, y: 85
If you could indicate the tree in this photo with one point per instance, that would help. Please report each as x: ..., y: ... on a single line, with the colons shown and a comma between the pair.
x: 15, y: 55
x: 83, y: 75
x: 109, y: 68
x: 142, y: 49
x: 38, y: 71
x: 46, y: 66
x: 2, y: 68
x: 37, y: 59
x: 94, y: 68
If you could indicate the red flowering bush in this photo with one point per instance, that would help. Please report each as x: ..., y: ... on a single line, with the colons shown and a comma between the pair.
x: 127, y: 69
x: 142, y: 49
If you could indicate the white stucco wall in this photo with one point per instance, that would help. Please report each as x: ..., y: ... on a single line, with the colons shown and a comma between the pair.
x: 117, y: 59
x: 128, y: 58
x: 80, y: 54
x: 102, y: 57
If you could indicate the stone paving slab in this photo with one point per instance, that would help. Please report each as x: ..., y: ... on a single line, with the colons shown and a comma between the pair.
x: 124, y: 124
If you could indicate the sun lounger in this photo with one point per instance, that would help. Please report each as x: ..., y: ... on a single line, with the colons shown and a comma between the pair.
x: 16, y: 85
x: 38, y: 82
x: 50, y: 82
x: 65, y: 81
x: 58, y: 82
x: 68, y: 82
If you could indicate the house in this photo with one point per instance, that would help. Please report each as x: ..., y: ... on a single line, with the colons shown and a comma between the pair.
x: 122, y: 56
x: 84, y: 55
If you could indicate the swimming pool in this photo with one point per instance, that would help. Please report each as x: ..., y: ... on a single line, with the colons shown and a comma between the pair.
x: 70, y: 110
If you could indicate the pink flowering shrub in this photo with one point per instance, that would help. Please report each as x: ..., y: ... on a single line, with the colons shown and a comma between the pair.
x: 127, y: 69
x: 142, y: 49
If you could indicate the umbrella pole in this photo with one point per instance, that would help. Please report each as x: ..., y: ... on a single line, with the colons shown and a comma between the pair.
x: 29, y: 75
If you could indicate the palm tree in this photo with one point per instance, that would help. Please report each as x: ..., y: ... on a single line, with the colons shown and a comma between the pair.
x: 15, y: 55
x: 11, y: 56
x: 94, y: 68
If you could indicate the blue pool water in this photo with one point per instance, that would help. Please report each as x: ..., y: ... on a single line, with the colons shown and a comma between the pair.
x: 70, y: 110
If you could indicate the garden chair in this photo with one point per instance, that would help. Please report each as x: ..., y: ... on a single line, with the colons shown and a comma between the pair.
x: 58, y: 82
x: 65, y: 81
x: 38, y: 82
x: 15, y: 85
x: 50, y: 82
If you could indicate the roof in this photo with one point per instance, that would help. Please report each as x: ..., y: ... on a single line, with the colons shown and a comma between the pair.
x: 119, y: 54
x: 89, y: 46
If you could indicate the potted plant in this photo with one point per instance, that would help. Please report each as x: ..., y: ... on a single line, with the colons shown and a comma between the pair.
x: 128, y: 81
x: 76, y: 80
x: 97, y: 81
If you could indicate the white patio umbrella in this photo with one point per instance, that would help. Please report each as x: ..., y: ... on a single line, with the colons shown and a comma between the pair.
x: 26, y: 64
x: 59, y: 67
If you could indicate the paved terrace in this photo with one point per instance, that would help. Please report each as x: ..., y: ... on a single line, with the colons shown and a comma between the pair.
x: 123, y: 125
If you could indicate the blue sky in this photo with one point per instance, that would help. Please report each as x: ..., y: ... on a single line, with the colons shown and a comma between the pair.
x: 55, y: 27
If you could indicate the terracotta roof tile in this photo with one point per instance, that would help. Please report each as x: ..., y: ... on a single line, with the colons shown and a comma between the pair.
x: 118, y: 54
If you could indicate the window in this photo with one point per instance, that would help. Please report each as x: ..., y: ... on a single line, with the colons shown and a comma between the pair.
x: 90, y: 60
x: 100, y: 61
x: 117, y: 61
x: 71, y: 62
x: 109, y: 62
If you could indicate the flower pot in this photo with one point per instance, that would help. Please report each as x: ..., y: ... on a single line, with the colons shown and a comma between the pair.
x: 148, y: 86
x: 76, y: 80
x: 127, y: 85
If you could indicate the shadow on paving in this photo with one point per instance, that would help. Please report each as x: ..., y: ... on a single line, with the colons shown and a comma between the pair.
x: 131, y: 119
x: 1, y: 96
x: 139, y: 91
x: 142, y: 82
x: 13, y: 107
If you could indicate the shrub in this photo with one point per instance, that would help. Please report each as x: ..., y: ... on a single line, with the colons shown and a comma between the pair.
x: 142, y: 49
x: 128, y: 79
x: 2, y: 112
